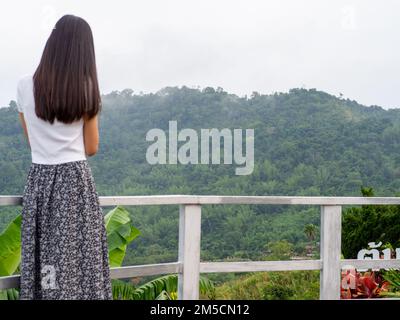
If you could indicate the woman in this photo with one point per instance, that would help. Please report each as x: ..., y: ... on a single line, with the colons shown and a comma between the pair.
x: 64, y: 242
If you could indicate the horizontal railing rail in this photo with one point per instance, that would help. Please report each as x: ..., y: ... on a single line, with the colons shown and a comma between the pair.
x: 210, y: 199
x: 188, y: 267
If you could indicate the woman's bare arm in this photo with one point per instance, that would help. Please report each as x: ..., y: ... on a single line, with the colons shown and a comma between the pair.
x: 23, y: 123
x: 91, y: 135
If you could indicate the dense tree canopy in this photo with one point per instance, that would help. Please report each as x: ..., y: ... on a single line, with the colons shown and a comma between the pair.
x: 370, y: 224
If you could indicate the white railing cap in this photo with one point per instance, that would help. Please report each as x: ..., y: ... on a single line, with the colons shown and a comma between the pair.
x: 212, y: 199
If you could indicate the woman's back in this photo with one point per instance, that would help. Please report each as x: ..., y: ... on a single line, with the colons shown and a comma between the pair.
x: 50, y: 143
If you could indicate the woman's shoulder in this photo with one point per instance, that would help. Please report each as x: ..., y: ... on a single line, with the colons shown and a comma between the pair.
x: 25, y: 79
x: 24, y: 91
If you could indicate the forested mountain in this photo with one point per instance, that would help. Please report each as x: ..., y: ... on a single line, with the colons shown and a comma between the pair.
x: 307, y: 142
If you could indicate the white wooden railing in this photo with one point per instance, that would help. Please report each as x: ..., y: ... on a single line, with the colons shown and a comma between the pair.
x: 188, y: 267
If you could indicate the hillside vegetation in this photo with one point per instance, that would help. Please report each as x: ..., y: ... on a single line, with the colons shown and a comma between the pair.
x: 307, y: 142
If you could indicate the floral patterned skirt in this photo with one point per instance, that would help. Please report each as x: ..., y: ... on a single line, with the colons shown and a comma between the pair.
x: 64, y: 253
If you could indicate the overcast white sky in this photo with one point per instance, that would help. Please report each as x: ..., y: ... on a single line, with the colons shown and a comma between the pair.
x: 348, y: 47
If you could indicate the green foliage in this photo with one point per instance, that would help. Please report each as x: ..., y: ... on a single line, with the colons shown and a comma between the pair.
x: 277, y: 292
x: 164, y: 295
x: 370, y: 223
x: 307, y: 142
x: 294, y: 285
x: 120, y: 233
x: 161, y: 288
x: 122, y: 290
x: 10, y: 248
x: 9, y: 294
x: 311, y: 231
x: 152, y: 289
x: 393, y: 277
x: 279, y: 250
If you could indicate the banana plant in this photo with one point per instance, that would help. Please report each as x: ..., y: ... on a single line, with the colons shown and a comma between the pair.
x: 10, y: 255
x: 162, y: 288
x: 120, y: 233
x: 10, y: 247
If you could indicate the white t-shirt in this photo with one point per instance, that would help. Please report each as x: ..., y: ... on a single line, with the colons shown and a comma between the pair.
x: 50, y: 143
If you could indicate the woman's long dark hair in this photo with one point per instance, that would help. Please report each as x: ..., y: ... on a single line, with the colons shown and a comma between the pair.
x: 65, y: 82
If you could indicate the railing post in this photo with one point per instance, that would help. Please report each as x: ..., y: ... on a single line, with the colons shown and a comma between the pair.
x: 331, y: 238
x: 189, y: 251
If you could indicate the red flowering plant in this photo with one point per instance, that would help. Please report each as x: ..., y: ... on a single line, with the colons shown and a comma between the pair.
x: 357, y: 285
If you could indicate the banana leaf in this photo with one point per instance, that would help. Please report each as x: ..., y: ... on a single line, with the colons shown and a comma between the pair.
x: 9, y: 294
x: 122, y: 290
x: 166, y: 287
x: 164, y: 295
x: 120, y: 233
x: 10, y: 247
